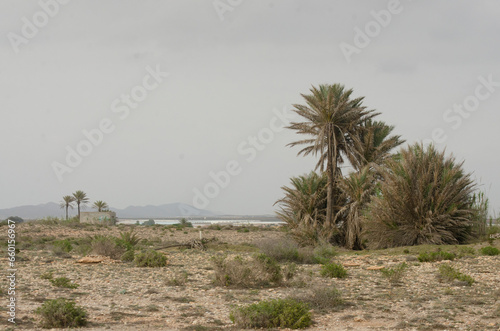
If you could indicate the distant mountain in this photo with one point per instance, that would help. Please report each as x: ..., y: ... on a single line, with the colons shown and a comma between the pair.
x: 34, y: 211
x: 54, y: 210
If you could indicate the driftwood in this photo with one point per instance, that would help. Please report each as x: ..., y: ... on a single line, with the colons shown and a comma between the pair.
x: 195, y: 243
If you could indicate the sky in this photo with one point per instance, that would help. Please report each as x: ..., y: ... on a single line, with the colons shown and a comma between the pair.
x: 152, y: 102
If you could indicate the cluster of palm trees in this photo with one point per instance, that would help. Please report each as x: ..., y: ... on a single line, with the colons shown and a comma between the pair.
x: 81, y: 199
x: 330, y: 206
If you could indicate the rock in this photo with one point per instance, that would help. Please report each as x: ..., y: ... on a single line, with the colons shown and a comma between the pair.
x: 411, y: 258
x: 90, y: 260
x: 375, y: 267
x: 351, y: 264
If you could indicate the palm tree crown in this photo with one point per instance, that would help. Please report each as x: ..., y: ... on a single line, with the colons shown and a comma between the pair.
x: 374, y: 144
x: 100, y: 205
x: 80, y: 199
x: 67, y: 203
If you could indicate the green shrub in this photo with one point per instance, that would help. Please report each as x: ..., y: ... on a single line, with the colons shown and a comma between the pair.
x: 128, y: 240
x: 394, y: 275
x: 436, y: 256
x: 61, y: 313
x: 63, y: 282
x: 324, y: 253
x: 185, y: 224
x: 150, y: 258
x: 489, y: 250
x: 65, y: 245
x: 449, y: 273
x: 278, y: 313
x: 128, y: 256
x: 333, y: 270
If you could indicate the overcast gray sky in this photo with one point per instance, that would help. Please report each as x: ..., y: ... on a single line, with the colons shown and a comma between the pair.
x: 67, y: 67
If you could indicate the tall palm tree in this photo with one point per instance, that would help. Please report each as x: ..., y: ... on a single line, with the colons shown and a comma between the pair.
x: 100, y: 205
x: 80, y: 198
x: 67, y: 203
x: 332, y: 122
x: 374, y: 144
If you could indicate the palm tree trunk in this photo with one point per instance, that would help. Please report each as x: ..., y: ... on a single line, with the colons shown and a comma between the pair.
x: 66, y: 212
x: 78, y: 203
x: 330, y: 172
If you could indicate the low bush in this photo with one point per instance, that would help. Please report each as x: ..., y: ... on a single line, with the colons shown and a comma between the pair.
x: 61, y: 313
x: 489, y: 250
x: 63, y: 282
x: 324, y: 253
x: 179, y: 279
x: 280, y: 250
x: 322, y: 298
x: 128, y: 256
x: 394, y: 275
x: 278, y: 313
x: 64, y: 245
x: 260, y: 270
x: 333, y: 270
x: 436, y: 256
x: 106, y: 246
x: 449, y: 273
x: 150, y: 258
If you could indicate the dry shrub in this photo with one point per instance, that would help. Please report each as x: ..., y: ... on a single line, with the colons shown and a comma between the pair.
x: 260, y: 270
x: 106, y: 246
x: 322, y: 298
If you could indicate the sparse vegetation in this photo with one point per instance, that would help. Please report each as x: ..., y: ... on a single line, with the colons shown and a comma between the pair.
x: 321, y: 298
x: 278, y: 313
x: 436, y: 256
x: 260, y: 270
x: 150, y: 258
x: 447, y: 272
x: 489, y: 250
x: 333, y: 270
x: 394, y: 275
x: 63, y: 282
x: 61, y: 313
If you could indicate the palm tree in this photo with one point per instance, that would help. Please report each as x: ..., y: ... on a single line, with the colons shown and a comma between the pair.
x: 358, y: 189
x: 80, y: 198
x: 100, y: 205
x: 332, y: 122
x: 304, y: 204
x: 67, y: 203
x: 374, y: 144
x: 426, y: 198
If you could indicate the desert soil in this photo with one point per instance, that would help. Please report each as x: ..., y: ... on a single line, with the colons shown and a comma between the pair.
x: 120, y: 296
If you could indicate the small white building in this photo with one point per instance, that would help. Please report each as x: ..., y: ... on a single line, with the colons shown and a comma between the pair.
x: 94, y: 217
